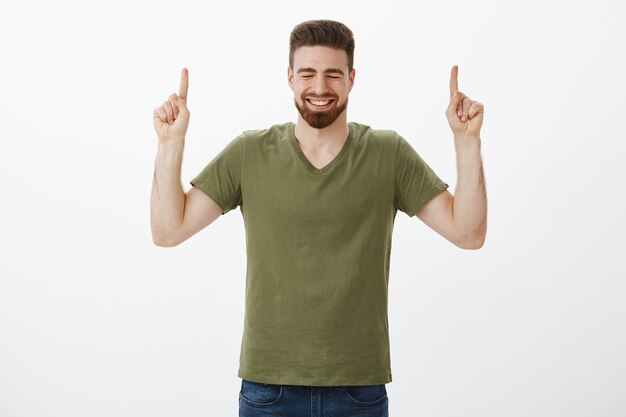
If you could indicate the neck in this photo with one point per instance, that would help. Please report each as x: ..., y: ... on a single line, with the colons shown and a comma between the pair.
x: 327, y: 138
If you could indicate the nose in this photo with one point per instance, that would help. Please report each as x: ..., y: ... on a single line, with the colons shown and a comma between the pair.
x: 319, y: 85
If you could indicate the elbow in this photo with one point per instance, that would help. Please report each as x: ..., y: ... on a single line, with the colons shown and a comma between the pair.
x: 164, y: 241
x: 471, y: 244
x: 472, y: 241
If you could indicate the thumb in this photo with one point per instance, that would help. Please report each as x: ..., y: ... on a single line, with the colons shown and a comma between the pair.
x: 182, y: 106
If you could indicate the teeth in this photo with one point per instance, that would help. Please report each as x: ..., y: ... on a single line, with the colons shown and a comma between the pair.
x: 320, y: 102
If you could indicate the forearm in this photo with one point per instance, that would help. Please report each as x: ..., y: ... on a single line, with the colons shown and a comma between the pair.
x: 470, y: 198
x: 167, y: 202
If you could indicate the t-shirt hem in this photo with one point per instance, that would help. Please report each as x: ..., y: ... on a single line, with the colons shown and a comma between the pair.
x: 212, y: 194
x: 425, y: 198
x: 332, y: 381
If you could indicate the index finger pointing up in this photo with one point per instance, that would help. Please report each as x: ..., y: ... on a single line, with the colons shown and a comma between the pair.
x: 184, y: 84
x: 454, y: 80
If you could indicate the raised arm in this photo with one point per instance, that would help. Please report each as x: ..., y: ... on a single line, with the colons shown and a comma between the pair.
x: 175, y: 215
x: 462, y: 218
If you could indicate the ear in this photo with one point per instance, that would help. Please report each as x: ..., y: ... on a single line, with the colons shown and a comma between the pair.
x: 290, y: 77
x: 351, y: 79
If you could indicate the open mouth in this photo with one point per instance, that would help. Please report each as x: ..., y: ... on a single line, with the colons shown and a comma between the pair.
x: 320, y: 104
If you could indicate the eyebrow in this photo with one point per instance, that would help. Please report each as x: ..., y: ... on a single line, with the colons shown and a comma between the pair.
x: 328, y: 71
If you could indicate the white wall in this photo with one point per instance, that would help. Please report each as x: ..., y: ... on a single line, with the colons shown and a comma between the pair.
x: 97, y: 321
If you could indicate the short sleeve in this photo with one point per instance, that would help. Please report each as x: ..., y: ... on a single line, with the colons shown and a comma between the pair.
x: 221, y: 178
x: 415, y: 182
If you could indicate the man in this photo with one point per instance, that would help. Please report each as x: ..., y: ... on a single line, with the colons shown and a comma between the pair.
x: 318, y: 198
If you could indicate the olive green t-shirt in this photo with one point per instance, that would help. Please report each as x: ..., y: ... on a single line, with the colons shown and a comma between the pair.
x: 318, y: 245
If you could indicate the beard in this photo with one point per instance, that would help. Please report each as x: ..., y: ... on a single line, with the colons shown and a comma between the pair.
x: 320, y: 119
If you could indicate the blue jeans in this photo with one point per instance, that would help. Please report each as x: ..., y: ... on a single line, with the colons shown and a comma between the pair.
x: 263, y: 400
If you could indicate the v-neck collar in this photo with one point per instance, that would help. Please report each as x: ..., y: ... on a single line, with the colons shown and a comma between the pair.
x: 307, y: 164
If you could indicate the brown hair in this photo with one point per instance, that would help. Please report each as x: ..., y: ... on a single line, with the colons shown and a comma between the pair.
x: 322, y: 33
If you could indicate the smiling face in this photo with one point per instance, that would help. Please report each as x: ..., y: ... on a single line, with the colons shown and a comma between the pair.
x: 321, y: 82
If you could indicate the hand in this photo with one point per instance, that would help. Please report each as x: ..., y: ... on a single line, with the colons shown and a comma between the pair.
x: 465, y: 115
x: 172, y: 118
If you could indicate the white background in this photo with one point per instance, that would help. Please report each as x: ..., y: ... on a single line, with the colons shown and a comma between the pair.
x: 95, y: 320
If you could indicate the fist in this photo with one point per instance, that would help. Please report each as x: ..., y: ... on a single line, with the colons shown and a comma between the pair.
x: 465, y: 116
x: 171, y: 119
